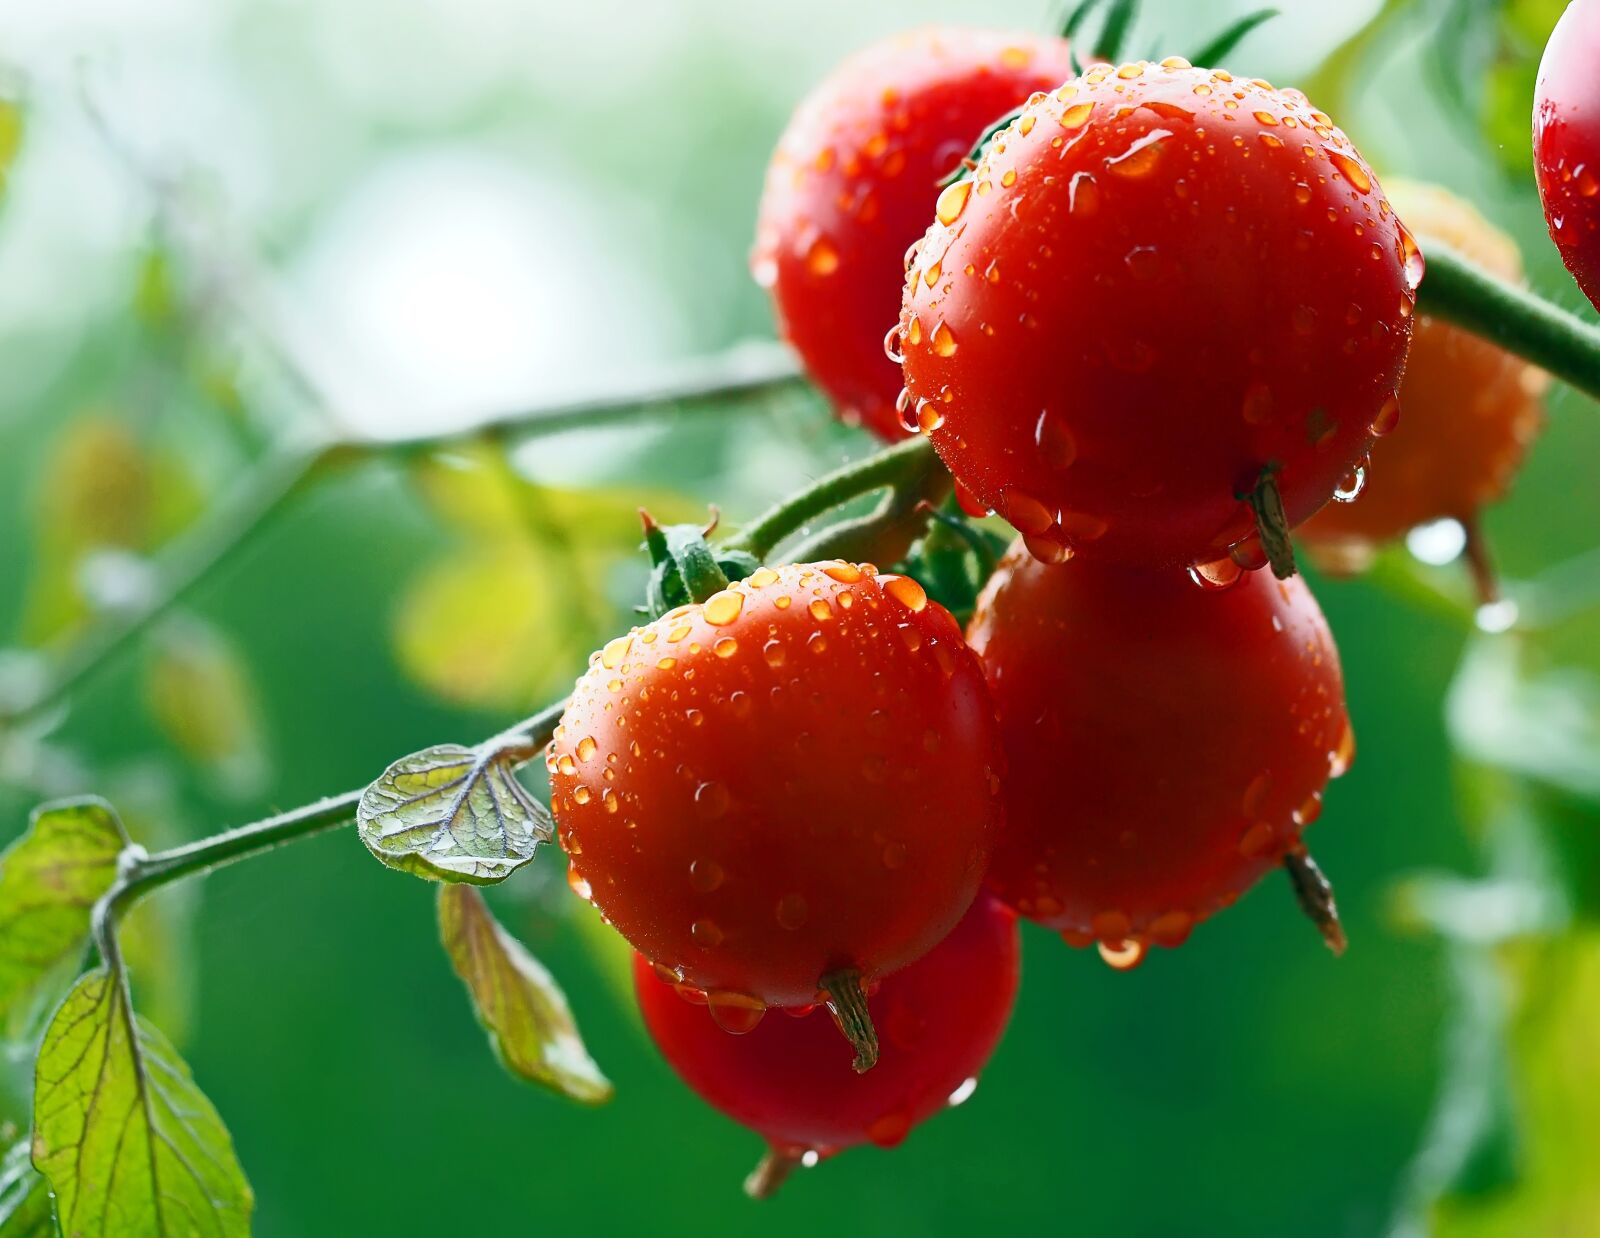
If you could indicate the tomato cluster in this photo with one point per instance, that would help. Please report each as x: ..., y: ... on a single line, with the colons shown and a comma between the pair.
x: 1159, y: 320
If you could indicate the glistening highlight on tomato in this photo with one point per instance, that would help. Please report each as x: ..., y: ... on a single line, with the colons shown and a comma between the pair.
x: 789, y: 1079
x: 853, y: 183
x: 1166, y: 743
x: 1163, y: 292
x: 791, y: 788
x: 1566, y: 141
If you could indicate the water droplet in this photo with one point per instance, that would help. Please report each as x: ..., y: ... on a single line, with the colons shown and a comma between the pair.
x: 615, y: 650
x: 581, y: 794
x: 820, y: 609
x: 844, y: 573
x: 1350, y: 170
x: 705, y: 876
x: 1026, y: 513
x: 1046, y: 549
x: 1266, y: 118
x: 706, y: 933
x: 725, y: 647
x: 1074, y: 117
x: 1256, y: 841
x: 1498, y: 616
x: 1349, y: 490
x: 891, y: 345
x: 1172, y: 928
x: 734, y: 1013
x: 792, y: 911
x: 1141, y: 158
x: 889, y: 1130
x: 762, y: 577
x: 1083, y: 194
x: 1217, y: 575
x: 944, y: 340
x: 578, y: 885
x: 930, y: 275
x: 1412, y: 263
x: 904, y: 590
x: 1143, y: 261
x: 1310, y: 810
x: 1387, y: 419
x: 952, y: 201
x: 586, y: 748
x: 711, y: 800
x: 1122, y: 955
x: 822, y: 258
x: 723, y: 608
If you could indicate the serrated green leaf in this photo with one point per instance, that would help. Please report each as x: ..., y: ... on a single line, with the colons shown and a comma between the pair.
x: 452, y: 814
x: 49, y: 881
x: 526, y: 1015
x: 128, y: 1142
x: 25, y: 1210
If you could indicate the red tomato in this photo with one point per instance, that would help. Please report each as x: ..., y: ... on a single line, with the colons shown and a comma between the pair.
x: 1566, y: 141
x: 853, y: 183
x: 1165, y: 743
x: 1469, y: 408
x: 794, y: 779
x: 789, y: 1079
x: 1160, y: 283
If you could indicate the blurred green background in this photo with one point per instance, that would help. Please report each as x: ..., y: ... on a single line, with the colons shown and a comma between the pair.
x: 232, y: 222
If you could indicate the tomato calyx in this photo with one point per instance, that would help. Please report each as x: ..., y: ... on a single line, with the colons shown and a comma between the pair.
x: 847, y: 1003
x: 1272, y: 525
x: 773, y: 1170
x: 686, y: 570
x: 1314, y: 892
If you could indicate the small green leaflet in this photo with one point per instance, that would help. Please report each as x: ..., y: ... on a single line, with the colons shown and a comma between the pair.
x: 128, y: 1142
x: 453, y: 814
x: 50, y: 879
x: 527, y: 1017
x: 24, y: 1198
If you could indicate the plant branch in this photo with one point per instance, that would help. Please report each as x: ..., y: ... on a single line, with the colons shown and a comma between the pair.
x: 1519, y: 321
x: 905, y: 466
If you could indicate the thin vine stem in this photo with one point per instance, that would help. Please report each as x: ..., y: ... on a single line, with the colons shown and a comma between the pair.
x: 1519, y: 321
x: 715, y: 383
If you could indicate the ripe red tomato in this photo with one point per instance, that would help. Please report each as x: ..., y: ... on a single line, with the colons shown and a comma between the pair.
x: 1467, y: 410
x: 854, y: 180
x: 792, y: 780
x: 1160, y: 283
x: 789, y: 1079
x: 1566, y: 141
x: 1165, y: 743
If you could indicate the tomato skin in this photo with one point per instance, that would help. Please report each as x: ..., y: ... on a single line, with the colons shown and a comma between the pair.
x: 1165, y: 743
x: 1468, y: 409
x: 1566, y: 141
x: 853, y: 182
x: 819, y: 794
x: 790, y: 1078
x: 1146, y: 297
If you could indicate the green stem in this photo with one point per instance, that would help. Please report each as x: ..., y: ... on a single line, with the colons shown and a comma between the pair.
x: 907, y: 465
x: 1564, y: 344
x: 140, y: 873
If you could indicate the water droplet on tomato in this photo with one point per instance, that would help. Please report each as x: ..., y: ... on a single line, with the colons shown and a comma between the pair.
x: 1217, y: 575
x: 1387, y: 419
x: 705, y: 876
x: 904, y: 590
x: 735, y: 1013
x: 1349, y: 490
x: 711, y: 800
x: 822, y: 258
x: 1122, y: 955
x: 1141, y: 158
x: 706, y: 933
x: 723, y: 608
x: 964, y: 1093
x: 952, y: 201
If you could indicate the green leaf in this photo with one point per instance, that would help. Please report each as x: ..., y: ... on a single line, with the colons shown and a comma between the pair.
x: 128, y: 1142
x: 452, y: 814
x: 24, y: 1198
x: 516, y: 1000
x: 49, y: 881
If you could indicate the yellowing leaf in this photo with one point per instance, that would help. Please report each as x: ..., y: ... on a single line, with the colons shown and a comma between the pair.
x: 526, y: 1015
x: 130, y: 1145
x: 200, y: 693
x: 50, y: 879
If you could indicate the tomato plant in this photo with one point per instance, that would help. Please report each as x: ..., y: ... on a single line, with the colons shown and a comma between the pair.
x: 1566, y: 141
x: 1166, y: 743
x: 1163, y: 293
x: 853, y: 182
x: 1467, y: 412
x: 788, y: 789
x: 789, y: 1079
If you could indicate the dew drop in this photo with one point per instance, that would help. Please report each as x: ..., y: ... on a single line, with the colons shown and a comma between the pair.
x: 904, y: 590
x: 822, y: 258
x: 1256, y: 841
x: 844, y: 573
x: 952, y: 201
x: 1122, y: 955
x: 1074, y: 117
x: 1141, y: 158
x: 1083, y: 194
x: 889, y: 1130
x: 586, y: 748
x: 1217, y: 575
x: 723, y: 608
x: 578, y: 885
x: 613, y: 653
x: 711, y: 800
x: 734, y: 1013
x: 964, y: 1093
x: 792, y: 911
x: 705, y: 876
x: 944, y: 340
x: 1387, y: 419
x: 1349, y: 490
x: 1412, y: 263
x: 891, y: 345
x: 706, y: 933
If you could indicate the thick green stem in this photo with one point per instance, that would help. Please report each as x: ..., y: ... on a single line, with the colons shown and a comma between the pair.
x: 906, y: 466
x: 1564, y: 344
